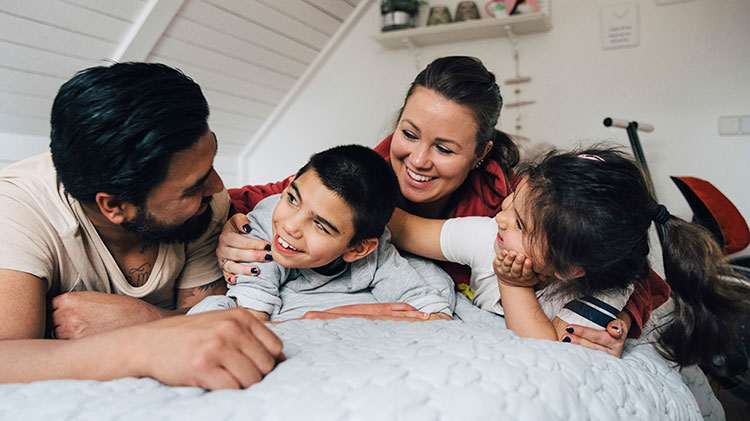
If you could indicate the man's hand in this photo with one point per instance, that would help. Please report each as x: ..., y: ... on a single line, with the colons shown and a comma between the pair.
x: 379, y: 311
x: 514, y: 269
x: 610, y: 341
x: 79, y: 314
x: 234, y: 247
x: 227, y: 349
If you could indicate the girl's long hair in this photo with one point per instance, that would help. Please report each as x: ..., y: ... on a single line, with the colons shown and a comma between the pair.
x: 592, y: 209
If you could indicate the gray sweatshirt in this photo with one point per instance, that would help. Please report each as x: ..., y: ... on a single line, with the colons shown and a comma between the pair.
x: 387, y: 275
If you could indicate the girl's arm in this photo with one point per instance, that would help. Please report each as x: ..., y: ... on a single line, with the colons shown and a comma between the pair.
x: 416, y: 235
x: 523, y: 314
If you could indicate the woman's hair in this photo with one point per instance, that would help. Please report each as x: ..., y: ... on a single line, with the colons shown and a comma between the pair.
x: 465, y: 81
x: 594, y: 209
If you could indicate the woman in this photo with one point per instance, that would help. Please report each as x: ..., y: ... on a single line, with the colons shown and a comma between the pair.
x: 450, y: 162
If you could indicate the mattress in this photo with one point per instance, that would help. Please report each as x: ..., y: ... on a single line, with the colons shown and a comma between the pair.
x: 357, y: 369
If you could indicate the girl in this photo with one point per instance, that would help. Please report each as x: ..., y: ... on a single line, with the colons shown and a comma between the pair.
x: 582, y: 218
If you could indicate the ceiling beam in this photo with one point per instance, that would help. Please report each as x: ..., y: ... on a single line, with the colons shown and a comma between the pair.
x: 302, y: 82
x: 147, y: 30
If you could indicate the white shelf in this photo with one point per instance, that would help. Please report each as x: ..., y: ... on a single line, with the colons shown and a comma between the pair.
x: 465, y: 31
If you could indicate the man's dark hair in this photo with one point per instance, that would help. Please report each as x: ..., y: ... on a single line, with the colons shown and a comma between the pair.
x: 115, y: 128
x: 364, y: 180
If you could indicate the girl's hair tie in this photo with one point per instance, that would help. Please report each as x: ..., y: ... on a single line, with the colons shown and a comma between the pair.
x: 662, y: 215
x: 591, y: 157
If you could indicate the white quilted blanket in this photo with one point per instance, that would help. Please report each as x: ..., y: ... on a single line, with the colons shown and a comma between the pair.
x: 362, y: 370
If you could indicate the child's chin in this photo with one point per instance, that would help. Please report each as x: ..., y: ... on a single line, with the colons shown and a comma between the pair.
x: 497, y: 248
x: 287, y: 260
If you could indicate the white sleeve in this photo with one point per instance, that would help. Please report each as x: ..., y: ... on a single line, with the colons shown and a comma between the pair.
x: 468, y: 240
x: 595, y: 311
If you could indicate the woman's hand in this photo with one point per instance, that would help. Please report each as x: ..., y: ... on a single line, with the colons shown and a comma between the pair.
x: 234, y: 247
x: 514, y: 269
x: 610, y: 341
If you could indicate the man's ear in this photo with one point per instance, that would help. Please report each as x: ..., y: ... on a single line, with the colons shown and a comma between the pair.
x: 361, y: 250
x: 114, y: 209
x: 575, y: 272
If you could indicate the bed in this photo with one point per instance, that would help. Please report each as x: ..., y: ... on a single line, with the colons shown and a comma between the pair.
x: 472, y: 368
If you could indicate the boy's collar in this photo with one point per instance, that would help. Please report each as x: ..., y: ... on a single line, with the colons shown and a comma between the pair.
x: 335, y: 267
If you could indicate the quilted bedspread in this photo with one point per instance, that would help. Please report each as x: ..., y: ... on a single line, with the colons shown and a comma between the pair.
x: 364, y: 370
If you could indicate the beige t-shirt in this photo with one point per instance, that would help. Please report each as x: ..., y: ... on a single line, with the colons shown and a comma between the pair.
x: 45, y: 232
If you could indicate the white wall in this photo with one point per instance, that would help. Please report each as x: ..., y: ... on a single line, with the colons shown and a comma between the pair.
x: 690, y: 67
x: 16, y: 147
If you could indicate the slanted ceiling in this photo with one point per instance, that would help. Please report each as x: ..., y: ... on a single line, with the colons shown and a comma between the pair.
x: 245, y: 54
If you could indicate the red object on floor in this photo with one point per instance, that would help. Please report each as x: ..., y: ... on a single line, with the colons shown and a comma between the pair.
x: 716, y: 212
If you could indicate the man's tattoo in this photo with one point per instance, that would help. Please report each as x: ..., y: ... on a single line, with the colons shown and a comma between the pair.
x: 213, y: 285
x: 145, y: 247
x: 138, y: 276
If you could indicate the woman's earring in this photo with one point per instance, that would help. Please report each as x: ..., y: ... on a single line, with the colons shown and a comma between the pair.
x: 479, y: 164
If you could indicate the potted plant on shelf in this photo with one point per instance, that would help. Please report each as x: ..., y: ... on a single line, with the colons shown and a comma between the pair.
x: 399, y: 14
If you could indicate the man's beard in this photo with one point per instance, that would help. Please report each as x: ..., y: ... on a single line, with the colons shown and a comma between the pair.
x: 148, y: 228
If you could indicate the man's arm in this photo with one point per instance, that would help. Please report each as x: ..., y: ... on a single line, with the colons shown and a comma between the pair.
x: 188, y: 297
x: 22, y: 305
x: 79, y: 314
x: 227, y: 349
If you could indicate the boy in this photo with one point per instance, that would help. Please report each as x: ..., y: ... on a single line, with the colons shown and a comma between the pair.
x: 328, y: 238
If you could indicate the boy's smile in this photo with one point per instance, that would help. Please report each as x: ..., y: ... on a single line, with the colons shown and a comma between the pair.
x: 312, y: 225
x: 285, y: 247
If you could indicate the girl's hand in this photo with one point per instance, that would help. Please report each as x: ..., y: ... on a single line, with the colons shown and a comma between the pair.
x: 514, y: 269
x: 610, y: 341
x: 234, y: 247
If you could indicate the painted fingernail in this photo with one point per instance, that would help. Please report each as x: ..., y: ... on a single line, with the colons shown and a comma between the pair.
x: 267, y: 247
x: 255, y: 271
x: 569, y: 329
x: 566, y: 339
x: 268, y: 257
x: 246, y: 228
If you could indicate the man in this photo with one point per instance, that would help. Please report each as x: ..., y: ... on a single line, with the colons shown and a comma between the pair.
x: 118, y: 227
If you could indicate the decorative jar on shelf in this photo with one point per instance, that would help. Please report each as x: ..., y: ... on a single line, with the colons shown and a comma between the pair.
x: 399, y: 14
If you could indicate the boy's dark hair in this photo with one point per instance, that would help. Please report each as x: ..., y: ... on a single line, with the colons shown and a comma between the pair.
x: 115, y: 128
x: 364, y: 180
x: 594, y: 208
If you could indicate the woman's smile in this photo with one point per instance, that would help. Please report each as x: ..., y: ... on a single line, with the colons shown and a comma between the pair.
x: 418, y: 177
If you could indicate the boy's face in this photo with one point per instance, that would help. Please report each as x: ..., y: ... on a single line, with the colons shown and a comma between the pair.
x: 312, y: 225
